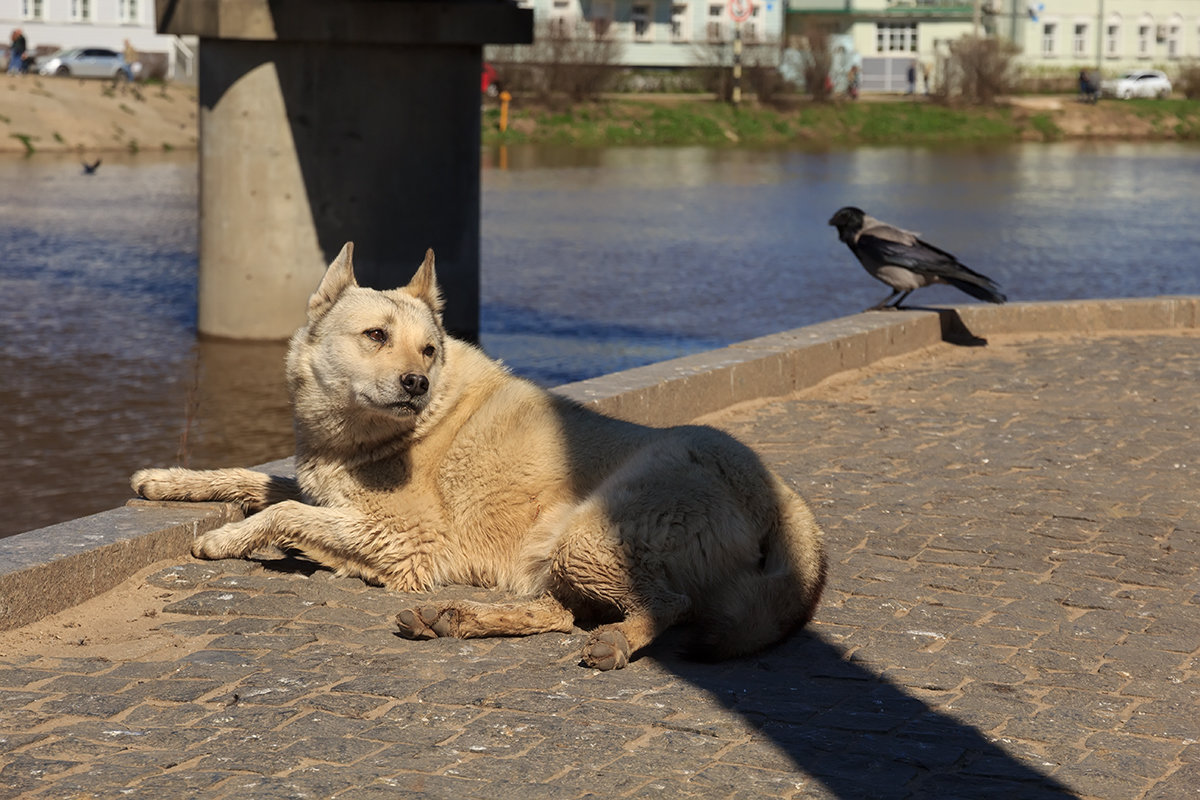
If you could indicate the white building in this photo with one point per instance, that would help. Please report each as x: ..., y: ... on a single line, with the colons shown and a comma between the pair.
x: 666, y: 33
x: 1053, y: 36
x: 53, y: 24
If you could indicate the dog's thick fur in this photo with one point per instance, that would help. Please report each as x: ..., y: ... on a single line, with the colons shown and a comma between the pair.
x: 422, y: 462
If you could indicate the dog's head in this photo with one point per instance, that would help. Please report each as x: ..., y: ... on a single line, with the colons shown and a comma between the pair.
x: 366, y: 351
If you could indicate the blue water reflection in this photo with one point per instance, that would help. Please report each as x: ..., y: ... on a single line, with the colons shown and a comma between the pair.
x: 592, y: 261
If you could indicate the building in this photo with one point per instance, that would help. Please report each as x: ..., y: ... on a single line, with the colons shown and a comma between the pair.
x: 49, y: 25
x: 1052, y: 36
x: 663, y: 33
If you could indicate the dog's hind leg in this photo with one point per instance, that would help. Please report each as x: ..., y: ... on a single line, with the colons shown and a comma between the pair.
x: 652, y: 611
x: 593, y: 563
x: 465, y: 619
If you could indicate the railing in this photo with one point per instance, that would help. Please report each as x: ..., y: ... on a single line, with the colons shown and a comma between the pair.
x: 180, y: 49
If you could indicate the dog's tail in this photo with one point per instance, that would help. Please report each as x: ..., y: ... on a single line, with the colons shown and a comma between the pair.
x: 759, y: 607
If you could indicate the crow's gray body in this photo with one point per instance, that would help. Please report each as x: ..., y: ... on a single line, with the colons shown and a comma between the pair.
x: 904, y: 262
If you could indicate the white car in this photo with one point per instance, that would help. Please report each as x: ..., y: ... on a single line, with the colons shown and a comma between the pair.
x: 1139, y: 83
x: 85, y: 62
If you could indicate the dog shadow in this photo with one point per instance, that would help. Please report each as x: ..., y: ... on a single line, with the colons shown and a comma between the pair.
x: 856, y: 732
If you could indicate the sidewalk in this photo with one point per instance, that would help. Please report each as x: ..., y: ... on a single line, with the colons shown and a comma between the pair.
x: 1013, y: 610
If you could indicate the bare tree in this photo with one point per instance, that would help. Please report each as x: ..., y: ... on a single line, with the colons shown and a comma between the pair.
x: 1188, y: 80
x: 979, y: 70
x: 567, y: 60
x: 818, y: 59
x: 760, y: 69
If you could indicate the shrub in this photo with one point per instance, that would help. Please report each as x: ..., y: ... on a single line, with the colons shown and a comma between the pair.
x: 1188, y: 80
x: 574, y: 62
x: 979, y: 70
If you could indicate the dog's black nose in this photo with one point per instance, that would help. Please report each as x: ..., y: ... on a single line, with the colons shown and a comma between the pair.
x: 415, y: 383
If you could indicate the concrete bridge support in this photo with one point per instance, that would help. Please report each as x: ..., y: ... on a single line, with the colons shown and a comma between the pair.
x: 326, y: 121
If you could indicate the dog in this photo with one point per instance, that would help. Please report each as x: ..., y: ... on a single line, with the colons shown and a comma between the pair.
x: 422, y: 462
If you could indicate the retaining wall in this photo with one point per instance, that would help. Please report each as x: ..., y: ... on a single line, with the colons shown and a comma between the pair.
x: 47, y: 570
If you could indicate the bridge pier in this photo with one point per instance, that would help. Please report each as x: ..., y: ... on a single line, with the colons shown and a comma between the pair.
x: 325, y: 122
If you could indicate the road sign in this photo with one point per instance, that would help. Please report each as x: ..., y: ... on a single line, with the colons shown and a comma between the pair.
x: 741, y: 10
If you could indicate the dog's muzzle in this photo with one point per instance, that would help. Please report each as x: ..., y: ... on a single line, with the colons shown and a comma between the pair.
x: 414, y: 383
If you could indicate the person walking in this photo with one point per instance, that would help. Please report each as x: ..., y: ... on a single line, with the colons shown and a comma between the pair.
x: 912, y: 77
x: 133, y: 62
x: 16, y: 53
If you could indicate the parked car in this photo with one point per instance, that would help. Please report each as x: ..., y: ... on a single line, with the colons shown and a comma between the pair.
x: 85, y: 62
x: 1139, y: 83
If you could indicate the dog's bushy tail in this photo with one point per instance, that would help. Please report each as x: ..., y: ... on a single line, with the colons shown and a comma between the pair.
x: 757, y: 608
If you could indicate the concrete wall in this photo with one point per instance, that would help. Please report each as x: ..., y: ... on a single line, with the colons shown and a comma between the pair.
x: 323, y: 122
x: 45, y: 571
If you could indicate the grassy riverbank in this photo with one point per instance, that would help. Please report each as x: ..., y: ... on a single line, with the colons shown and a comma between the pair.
x: 703, y: 122
x: 70, y: 115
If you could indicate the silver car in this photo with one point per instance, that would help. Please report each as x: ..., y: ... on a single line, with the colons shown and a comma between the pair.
x: 85, y: 62
x: 1139, y: 83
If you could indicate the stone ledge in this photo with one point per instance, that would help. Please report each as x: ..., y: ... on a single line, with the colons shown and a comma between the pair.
x: 50, y: 569
x: 673, y: 392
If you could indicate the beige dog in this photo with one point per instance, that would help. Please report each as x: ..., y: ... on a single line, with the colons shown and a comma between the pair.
x: 422, y: 462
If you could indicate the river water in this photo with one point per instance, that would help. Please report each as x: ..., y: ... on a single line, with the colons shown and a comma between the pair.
x: 592, y: 261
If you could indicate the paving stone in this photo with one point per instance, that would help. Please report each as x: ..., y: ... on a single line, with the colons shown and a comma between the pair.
x: 1011, y: 612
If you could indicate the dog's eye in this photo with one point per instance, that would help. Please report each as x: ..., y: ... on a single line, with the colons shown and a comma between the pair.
x: 378, y: 335
x: 429, y: 351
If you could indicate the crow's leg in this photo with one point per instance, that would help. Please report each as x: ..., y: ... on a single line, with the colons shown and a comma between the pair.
x: 883, y: 303
x: 900, y: 299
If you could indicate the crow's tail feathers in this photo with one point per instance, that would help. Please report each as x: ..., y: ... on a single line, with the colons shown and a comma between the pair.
x: 978, y: 286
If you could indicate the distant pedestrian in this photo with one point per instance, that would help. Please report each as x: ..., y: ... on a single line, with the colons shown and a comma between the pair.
x: 133, y: 62
x: 912, y: 77
x: 852, y: 82
x: 925, y: 76
x: 16, y: 53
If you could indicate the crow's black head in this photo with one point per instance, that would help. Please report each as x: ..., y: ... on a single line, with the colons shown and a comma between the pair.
x: 848, y: 220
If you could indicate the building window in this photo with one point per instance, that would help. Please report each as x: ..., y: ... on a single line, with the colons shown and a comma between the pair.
x: 1049, y: 34
x: 714, y: 30
x: 32, y: 9
x: 129, y: 11
x: 81, y: 10
x: 750, y: 28
x: 896, y: 37
x: 560, y: 19
x: 602, y: 18
x: 1173, y: 38
x: 1079, y: 40
x: 679, y: 22
x: 642, y: 15
x: 1145, y: 37
x: 1112, y: 39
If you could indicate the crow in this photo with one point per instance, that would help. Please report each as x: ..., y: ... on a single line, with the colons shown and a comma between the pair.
x: 901, y: 260
x: 90, y: 169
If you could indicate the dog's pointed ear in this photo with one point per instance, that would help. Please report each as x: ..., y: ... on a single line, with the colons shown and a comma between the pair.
x: 424, y: 285
x: 338, y: 278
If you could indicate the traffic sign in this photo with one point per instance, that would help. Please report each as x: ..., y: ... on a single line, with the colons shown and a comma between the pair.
x: 741, y: 10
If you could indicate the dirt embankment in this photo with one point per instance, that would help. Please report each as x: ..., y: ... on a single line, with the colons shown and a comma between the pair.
x: 44, y: 114
x: 1071, y: 119
x: 73, y: 115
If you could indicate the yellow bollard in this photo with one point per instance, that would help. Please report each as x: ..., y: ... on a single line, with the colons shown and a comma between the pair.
x: 504, y: 98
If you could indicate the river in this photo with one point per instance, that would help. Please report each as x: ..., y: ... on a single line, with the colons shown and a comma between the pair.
x: 592, y: 261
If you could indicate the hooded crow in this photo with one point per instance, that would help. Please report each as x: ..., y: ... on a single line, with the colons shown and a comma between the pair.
x: 901, y: 260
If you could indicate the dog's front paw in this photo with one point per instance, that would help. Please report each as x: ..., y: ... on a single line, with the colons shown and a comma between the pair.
x: 427, y: 622
x: 156, y: 484
x: 606, y: 649
x: 225, y: 542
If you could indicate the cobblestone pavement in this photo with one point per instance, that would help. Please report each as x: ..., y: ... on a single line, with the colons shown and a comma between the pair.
x: 1013, y: 611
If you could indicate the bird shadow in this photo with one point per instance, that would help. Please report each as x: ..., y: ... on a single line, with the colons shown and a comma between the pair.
x: 955, y: 331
